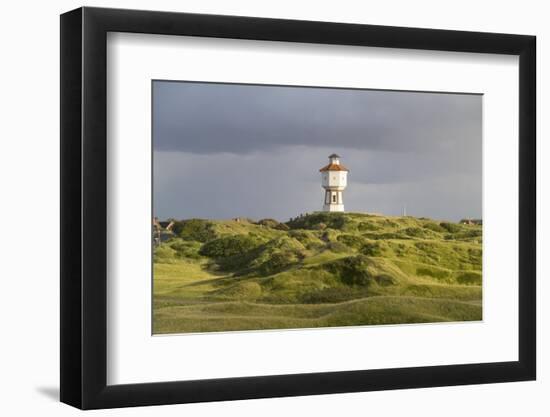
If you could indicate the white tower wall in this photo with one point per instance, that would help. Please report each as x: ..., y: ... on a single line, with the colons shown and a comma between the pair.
x: 333, y: 201
x: 335, y: 179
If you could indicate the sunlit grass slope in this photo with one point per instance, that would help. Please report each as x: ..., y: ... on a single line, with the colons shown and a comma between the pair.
x: 318, y: 270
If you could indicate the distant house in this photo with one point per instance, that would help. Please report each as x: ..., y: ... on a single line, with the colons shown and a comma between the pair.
x: 162, y: 230
x: 472, y: 222
x: 167, y: 225
x: 156, y: 222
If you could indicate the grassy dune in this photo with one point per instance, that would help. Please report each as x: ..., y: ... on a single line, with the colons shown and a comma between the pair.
x: 319, y: 270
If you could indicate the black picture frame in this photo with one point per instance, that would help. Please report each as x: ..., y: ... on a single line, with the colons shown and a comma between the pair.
x: 84, y: 207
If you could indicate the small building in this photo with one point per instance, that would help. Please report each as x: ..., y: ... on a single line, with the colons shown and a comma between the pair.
x: 334, y: 177
x: 167, y: 225
x: 162, y: 230
x: 472, y: 222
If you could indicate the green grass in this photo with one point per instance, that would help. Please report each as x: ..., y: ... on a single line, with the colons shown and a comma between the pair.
x: 319, y: 270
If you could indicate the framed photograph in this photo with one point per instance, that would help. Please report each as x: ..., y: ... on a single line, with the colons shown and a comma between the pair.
x: 259, y: 208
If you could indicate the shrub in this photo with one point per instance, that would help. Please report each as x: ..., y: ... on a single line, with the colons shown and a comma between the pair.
x: 434, y: 273
x: 371, y: 249
x: 309, y: 239
x: 427, y: 247
x: 331, y: 295
x: 164, y: 254
x: 434, y: 227
x: 352, y: 241
x: 315, y: 246
x: 468, y: 234
x: 185, y: 249
x: 384, y: 280
x: 337, y: 247
x: 305, y: 237
x: 385, y: 236
x: 364, y: 226
x: 398, y: 248
x: 475, y: 255
x: 469, y: 278
x: 329, y: 236
x: 273, y: 224
x: 450, y: 227
x: 390, y: 223
x: 414, y: 232
x: 315, y: 220
x: 194, y: 229
x: 353, y: 270
x: 227, y: 246
x: 246, y: 290
x: 278, y: 262
x: 261, y: 257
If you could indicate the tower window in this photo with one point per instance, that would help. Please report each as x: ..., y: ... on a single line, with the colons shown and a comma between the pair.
x: 334, y: 198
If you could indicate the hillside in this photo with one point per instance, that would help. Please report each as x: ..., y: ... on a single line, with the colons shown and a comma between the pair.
x: 322, y: 269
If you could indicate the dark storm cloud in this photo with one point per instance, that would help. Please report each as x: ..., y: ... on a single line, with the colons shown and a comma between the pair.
x: 225, y: 150
x: 213, y: 118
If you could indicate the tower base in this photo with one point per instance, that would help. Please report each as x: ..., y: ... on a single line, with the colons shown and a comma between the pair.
x: 333, y: 207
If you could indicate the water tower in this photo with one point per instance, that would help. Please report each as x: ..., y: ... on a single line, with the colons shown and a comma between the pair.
x: 334, y: 180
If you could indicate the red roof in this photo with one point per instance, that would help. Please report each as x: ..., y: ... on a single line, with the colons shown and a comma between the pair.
x: 334, y: 167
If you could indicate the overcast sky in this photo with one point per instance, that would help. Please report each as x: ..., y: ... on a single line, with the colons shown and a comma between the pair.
x: 230, y: 150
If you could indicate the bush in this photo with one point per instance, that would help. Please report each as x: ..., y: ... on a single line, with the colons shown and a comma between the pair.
x: 386, y: 236
x: 331, y: 295
x: 320, y: 226
x: 450, y: 227
x: 315, y: 220
x: 337, y: 247
x: 273, y: 224
x: 257, y: 256
x: 434, y: 273
x: 352, y: 270
x: 228, y: 246
x: 164, y: 254
x: 185, y: 249
x: 278, y: 262
x: 415, y: 232
x: 434, y: 227
x: 475, y: 256
x: 246, y: 290
x: 469, y: 278
x: 390, y: 223
x: 468, y: 234
x: 364, y: 226
x: 329, y: 236
x: 426, y: 247
x: 315, y: 246
x: 398, y: 248
x: 305, y: 237
x: 384, y: 280
x: 371, y: 249
x: 194, y: 229
x: 355, y: 242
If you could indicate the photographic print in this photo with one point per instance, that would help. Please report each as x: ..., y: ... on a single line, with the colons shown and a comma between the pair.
x: 289, y: 207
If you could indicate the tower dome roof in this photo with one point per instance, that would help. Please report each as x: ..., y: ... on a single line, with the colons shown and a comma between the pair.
x: 334, y: 164
x: 334, y: 167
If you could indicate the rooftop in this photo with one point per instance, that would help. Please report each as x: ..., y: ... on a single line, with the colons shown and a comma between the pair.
x: 333, y: 167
